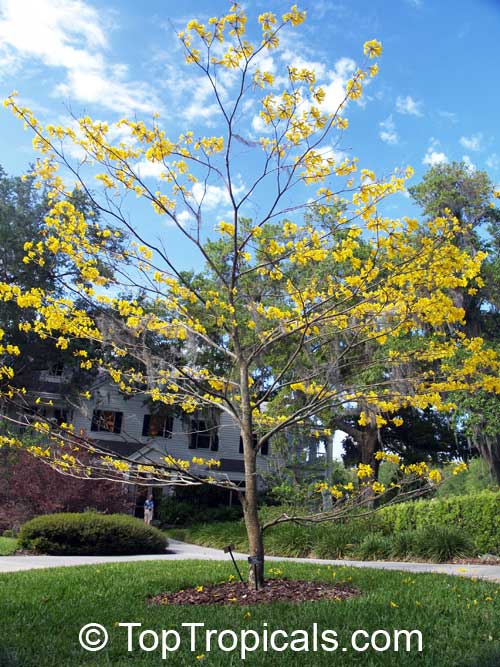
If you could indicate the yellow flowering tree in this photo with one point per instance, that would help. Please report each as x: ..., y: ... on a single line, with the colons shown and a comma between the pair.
x: 247, y: 334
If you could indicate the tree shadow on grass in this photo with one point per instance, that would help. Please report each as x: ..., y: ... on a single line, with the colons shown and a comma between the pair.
x: 8, y: 658
x: 489, y: 659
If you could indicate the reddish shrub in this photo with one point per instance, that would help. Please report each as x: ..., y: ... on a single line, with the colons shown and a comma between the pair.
x: 29, y: 487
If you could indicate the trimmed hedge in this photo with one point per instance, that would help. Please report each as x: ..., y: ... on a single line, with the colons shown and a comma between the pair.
x: 476, y: 514
x: 91, y: 534
x: 437, y: 530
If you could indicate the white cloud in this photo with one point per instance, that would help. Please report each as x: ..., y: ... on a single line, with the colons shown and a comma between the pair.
x: 468, y: 163
x: 433, y: 155
x: 8, y: 61
x: 328, y: 151
x: 472, y: 143
x: 68, y: 34
x: 432, y: 158
x: 147, y: 169
x: 321, y: 8
x: 210, y: 196
x: 493, y: 161
x: 335, y: 89
x: 291, y: 58
x: 94, y: 87
x: 407, y: 105
x: 264, y: 62
x: 185, y: 217
x: 388, y: 132
x: 333, y: 81
x: 121, y: 134
x: 259, y: 125
x: 199, y: 111
x: 448, y: 116
x: 198, y: 108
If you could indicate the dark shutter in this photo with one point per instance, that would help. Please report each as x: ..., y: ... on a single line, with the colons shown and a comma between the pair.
x: 193, y: 439
x: 145, y: 425
x: 96, y: 416
x: 60, y: 416
x: 118, y: 422
x: 168, y: 426
x: 215, y: 442
x: 254, y: 443
x: 264, y: 449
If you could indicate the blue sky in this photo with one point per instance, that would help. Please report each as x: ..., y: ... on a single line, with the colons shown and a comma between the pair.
x: 436, y: 97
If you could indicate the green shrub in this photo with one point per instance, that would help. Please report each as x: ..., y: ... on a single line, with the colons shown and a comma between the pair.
x: 8, y: 533
x: 178, y: 534
x: 475, y: 479
x: 173, y: 512
x: 336, y: 540
x: 402, y: 544
x: 477, y: 515
x: 90, y: 534
x: 290, y: 540
x: 217, y: 535
x: 215, y: 514
x: 441, y: 544
x: 374, y: 547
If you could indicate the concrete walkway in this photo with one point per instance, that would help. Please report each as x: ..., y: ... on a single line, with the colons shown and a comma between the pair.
x: 182, y: 551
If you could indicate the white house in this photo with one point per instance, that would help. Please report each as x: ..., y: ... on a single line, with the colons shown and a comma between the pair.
x: 130, y: 427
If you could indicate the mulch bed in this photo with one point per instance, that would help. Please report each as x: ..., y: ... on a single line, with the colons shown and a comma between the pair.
x: 275, y: 590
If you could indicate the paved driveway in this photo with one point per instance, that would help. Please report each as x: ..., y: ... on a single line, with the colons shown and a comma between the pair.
x: 182, y: 551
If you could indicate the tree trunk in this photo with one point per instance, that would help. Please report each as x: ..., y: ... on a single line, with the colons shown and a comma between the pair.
x: 366, y: 440
x: 489, y: 448
x: 368, y: 446
x: 254, y: 534
x: 250, y: 497
x: 329, y: 459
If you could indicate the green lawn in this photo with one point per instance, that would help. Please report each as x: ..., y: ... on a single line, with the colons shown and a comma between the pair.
x: 8, y: 546
x: 42, y: 611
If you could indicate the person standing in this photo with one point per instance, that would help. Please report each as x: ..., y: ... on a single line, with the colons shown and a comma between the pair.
x: 149, y: 507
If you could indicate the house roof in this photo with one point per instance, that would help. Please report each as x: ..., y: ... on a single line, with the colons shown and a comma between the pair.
x: 119, y: 447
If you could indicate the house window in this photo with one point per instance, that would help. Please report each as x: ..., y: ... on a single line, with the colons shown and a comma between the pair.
x: 60, y: 416
x: 157, y: 426
x: 107, y: 420
x: 203, y: 437
x: 264, y: 450
x: 56, y: 370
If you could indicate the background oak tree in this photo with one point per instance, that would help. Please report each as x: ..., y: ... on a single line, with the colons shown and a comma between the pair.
x: 468, y: 194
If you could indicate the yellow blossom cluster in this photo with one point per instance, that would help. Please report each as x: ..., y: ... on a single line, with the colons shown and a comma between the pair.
x: 177, y: 463
x: 378, y: 487
x: 210, y: 463
x: 387, y: 456
x: 364, y: 471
